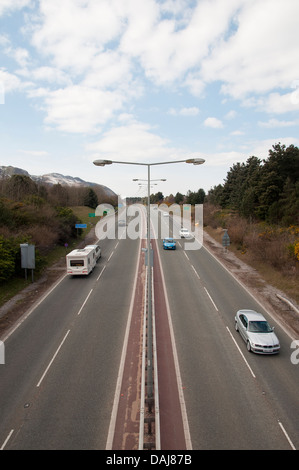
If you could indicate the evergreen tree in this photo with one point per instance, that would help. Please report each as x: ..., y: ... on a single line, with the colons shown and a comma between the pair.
x: 91, y: 199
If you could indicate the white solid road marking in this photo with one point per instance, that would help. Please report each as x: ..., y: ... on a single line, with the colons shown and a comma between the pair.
x: 52, y: 360
x: 85, y: 302
x: 101, y: 272
x: 252, y: 373
x: 211, y: 299
x: 286, y: 435
x: 6, y: 440
x: 196, y: 273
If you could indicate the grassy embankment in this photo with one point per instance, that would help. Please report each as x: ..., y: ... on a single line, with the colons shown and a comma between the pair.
x: 16, y: 284
x: 269, y: 249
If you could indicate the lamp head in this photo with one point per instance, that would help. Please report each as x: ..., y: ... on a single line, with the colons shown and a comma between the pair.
x: 102, y: 162
x: 195, y: 161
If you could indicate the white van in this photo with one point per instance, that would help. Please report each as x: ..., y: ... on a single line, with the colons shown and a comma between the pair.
x: 81, y: 261
x: 98, y: 250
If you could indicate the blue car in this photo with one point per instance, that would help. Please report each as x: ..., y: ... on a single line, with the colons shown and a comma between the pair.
x: 169, y: 244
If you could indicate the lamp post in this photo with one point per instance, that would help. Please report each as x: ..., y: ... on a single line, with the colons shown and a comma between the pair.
x: 194, y: 161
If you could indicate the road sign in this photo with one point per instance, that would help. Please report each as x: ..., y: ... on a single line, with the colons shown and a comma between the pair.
x: 91, y: 215
x: 225, y: 239
x: 27, y: 256
x: 81, y: 225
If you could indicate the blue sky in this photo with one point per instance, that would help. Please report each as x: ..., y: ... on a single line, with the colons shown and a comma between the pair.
x: 146, y: 81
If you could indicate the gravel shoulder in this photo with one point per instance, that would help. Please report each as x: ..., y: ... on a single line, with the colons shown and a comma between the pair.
x: 275, y: 301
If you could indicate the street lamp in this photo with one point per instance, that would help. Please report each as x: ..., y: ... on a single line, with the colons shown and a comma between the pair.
x: 194, y: 161
x: 154, y: 184
x: 138, y: 179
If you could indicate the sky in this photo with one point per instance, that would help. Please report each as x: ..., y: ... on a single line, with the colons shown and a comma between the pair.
x: 146, y: 81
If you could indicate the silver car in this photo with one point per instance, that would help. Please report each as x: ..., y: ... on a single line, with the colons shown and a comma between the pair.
x: 256, y: 332
x: 184, y: 233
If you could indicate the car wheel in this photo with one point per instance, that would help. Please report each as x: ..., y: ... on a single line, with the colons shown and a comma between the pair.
x: 236, y: 326
x: 248, y: 346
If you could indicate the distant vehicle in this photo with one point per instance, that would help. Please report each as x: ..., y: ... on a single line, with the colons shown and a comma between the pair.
x: 256, y: 332
x: 169, y: 244
x: 165, y: 214
x: 81, y: 261
x: 98, y: 250
x: 122, y: 223
x: 184, y: 233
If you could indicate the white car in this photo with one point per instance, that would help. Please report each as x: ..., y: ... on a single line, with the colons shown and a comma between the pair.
x: 256, y: 332
x: 184, y: 233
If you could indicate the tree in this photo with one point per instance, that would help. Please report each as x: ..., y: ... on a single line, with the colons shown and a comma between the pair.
x: 19, y: 187
x: 195, y: 197
x: 7, y: 260
x: 281, y: 166
x: 155, y: 198
x: 178, y: 198
x: 267, y: 190
x: 91, y: 199
x: 58, y: 195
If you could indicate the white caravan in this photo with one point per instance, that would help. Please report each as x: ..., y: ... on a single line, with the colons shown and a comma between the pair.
x: 98, y: 250
x: 81, y: 261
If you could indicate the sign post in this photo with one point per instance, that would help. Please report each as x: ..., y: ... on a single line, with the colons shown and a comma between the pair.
x: 225, y: 240
x: 28, y: 258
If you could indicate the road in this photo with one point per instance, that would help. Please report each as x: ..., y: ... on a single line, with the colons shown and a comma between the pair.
x: 61, y: 363
x: 234, y: 399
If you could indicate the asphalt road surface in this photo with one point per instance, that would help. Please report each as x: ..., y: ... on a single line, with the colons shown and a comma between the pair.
x: 61, y: 363
x: 234, y: 399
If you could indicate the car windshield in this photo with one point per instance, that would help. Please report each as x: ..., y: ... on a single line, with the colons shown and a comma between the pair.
x: 259, y: 327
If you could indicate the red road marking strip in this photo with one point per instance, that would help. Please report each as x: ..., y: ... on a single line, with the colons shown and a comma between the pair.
x: 173, y: 426
x: 125, y: 433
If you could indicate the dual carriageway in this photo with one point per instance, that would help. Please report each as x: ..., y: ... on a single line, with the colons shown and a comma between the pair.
x: 75, y: 369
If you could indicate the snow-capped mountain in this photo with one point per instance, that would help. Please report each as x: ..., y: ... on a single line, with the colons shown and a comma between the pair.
x: 52, y: 178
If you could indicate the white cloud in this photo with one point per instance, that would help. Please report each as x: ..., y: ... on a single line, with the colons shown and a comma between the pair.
x: 72, y: 33
x: 10, y: 5
x: 272, y: 123
x: 80, y: 109
x: 213, y: 122
x: 279, y: 104
x: 191, y: 111
x: 98, y: 47
x: 168, y: 51
x: 19, y: 54
x: 236, y: 133
x: 132, y: 142
x: 46, y: 74
x: 260, y: 148
x: 259, y: 56
x: 231, y: 114
x: 9, y: 82
x: 36, y: 153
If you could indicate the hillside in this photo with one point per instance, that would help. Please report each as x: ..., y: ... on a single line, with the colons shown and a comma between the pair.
x: 41, y: 211
x: 55, y: 178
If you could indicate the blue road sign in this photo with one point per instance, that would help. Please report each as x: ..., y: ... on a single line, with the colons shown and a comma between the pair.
x: 81, y: 225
